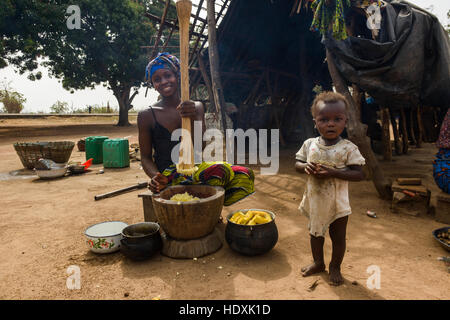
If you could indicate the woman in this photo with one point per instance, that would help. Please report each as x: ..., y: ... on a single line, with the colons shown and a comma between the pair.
x: 156, y: 125
x: 441, y: 165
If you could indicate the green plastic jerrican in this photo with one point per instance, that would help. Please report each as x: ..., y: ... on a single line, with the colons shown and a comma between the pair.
x: 116, y: 153
x: 94, y: 148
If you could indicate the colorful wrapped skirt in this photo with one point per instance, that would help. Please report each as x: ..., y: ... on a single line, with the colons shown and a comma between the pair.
x: 441, y: 169
x: 238, y: 181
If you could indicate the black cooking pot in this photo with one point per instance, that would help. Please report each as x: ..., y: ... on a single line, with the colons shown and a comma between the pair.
x: 141, y: 240
x: 251, y: 240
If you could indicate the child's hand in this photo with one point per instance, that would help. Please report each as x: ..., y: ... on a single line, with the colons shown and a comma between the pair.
x: 311, y: 168
x: 323, y: 172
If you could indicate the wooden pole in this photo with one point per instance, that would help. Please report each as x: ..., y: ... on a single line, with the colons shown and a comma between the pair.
x: 386, y: 134
x: 199, y: 8
x: 161, y: 27
x: 186, y: 161
x: 207, y: 82
x: 251, y: 97
x: 411, y: 126
x: 168, y: 39
x: 357, y: 132
x: 395, y: 131
x: 420, y: 128
x: 404, y: 131
x: 214, y: 63
x: 274, y: 108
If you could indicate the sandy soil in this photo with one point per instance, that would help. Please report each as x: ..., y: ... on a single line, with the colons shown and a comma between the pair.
x: 42, y: 225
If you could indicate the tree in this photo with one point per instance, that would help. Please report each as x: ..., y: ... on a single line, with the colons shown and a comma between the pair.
x: 105, y: 49
x: 448, y: 24
x: 60, y: 107
x: 12, y: 100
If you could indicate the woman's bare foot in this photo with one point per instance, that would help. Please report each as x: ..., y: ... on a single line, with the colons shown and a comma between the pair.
x: 313, y: 269
x: 336, y: 278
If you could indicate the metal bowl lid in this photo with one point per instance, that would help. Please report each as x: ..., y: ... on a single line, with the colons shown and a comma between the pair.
x: 105, y: 229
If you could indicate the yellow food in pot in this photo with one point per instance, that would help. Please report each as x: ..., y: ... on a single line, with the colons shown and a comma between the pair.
x: 183, y: 197
x: 252, y: 217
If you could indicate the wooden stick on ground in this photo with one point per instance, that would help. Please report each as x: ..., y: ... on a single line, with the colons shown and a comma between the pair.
x: 186, y: 161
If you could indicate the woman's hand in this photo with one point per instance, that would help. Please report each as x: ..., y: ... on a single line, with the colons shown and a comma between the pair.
x: 158, y: 183
x: 187, y: 109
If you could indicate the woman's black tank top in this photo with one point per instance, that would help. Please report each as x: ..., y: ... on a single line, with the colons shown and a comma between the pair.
x: 162, y: 145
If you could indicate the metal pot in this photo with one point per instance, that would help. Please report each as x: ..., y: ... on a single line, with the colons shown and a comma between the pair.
x: 141, y: 241
x: 251, y: 240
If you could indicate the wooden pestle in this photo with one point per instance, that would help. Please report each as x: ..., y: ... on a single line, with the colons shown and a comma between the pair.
x: 186, y: 160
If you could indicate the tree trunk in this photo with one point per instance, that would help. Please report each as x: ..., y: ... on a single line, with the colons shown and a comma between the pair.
x: 357, y: 133
x: 357, y: 97
x: 123, y: 97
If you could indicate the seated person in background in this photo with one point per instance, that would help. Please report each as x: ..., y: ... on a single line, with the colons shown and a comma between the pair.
x: 441, y: 165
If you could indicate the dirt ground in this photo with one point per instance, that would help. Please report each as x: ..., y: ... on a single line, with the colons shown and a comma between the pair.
x: 42, y: 225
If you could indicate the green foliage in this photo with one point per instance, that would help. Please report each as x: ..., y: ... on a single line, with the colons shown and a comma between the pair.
x: 94, y: 109
x: 448, y: 24
x: 12, y: 100
x: 59, y: 107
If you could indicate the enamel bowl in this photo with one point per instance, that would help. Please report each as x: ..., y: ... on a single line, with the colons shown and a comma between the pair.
x: 56, y: 171
x: 105, y: 237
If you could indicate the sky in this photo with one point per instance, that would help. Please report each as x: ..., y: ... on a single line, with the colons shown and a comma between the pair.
x: 42, y: 94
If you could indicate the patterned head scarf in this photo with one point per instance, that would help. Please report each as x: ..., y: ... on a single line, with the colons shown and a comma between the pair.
x: 164, y: 60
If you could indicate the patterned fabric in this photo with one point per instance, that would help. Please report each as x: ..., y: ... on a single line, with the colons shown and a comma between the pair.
x: 237, y: 181
x: 444, y: 134
x: 325, y: 15
x: 164, y: 60
x: 441, y: 169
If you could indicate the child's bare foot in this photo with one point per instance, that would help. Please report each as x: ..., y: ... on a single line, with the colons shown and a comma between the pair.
x: 313, y: 268
x: 336, y: 278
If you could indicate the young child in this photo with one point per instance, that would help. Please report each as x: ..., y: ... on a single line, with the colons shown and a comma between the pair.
x: 330, y: 161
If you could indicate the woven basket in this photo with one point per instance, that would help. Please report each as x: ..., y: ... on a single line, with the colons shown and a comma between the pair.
x: 30, y: 153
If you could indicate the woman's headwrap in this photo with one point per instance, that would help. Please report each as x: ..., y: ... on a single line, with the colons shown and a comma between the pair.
x: 164, y: 60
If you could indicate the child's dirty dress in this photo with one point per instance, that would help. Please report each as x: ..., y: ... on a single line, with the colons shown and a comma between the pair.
x: 326, y: 200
